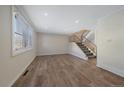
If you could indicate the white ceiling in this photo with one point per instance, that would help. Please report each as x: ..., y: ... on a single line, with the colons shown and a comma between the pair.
x: 67, y: 19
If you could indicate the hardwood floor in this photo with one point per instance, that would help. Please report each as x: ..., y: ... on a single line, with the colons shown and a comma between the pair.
x: 66, y: 71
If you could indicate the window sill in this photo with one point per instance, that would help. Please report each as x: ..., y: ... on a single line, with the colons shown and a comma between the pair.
x: 20, y: 51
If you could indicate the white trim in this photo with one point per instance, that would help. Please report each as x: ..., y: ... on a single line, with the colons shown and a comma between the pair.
x: 14, y: 53
x: 111, y: 69
x: 12, y: 35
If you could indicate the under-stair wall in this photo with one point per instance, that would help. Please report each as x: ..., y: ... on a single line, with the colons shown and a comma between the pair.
x: 75, y: 50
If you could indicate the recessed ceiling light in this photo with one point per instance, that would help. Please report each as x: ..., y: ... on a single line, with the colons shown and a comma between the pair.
x: 46, y: 27
x: 45, y: 14
x: 76, y: 21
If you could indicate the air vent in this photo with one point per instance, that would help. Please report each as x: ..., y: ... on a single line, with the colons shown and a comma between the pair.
x: 25, y: 73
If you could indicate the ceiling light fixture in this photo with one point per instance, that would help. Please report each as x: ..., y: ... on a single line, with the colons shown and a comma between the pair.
x: 45, y: 14
x: 77, y: 21
x: 46, y: 27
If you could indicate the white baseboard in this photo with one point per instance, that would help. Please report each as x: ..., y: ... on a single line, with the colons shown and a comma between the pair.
x: 45, y: 54
x: 111, y: 69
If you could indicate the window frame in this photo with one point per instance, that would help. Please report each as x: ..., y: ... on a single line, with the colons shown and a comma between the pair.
x: 24, y: 49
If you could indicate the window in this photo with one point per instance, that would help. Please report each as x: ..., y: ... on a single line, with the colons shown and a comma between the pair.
x: 22, y: 34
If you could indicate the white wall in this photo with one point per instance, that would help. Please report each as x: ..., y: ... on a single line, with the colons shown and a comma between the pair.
x: 49, y: 44
x: 11, y: 66
x: 110, y: 43
x: 76, y: 51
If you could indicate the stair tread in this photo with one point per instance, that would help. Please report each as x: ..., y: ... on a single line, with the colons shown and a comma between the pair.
x: 89, y: 54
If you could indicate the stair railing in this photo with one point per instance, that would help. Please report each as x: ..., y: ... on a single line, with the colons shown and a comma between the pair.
x: 88, y: 43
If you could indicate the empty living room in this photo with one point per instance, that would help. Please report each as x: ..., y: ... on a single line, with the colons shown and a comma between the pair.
x: 61, y: 46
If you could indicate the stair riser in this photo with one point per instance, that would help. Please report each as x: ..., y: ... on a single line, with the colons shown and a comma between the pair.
x: 91, y: 57
x: 89, y: 53
x: 82, y: 47
x: 86, y: 51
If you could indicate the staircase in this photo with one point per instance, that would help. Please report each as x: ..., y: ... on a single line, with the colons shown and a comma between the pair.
x: 87, y: 51
x: 85, y: 44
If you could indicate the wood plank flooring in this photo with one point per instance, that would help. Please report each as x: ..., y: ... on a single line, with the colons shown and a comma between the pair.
x: 66, y: 71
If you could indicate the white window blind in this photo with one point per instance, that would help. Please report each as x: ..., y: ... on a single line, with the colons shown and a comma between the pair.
x: 22, y: 33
